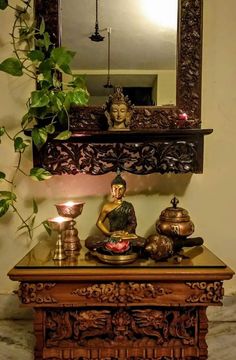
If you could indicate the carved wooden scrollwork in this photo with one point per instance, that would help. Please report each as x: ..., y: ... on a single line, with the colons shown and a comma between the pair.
x: 137, y: 158
x: 93, y: 119
x: 189, y: 61
x: 146, y: 328
x: 122, y: 292
x: 36, y: 293
x: 210, y: 292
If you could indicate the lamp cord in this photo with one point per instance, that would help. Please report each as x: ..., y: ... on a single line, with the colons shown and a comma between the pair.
x: 109, y: 55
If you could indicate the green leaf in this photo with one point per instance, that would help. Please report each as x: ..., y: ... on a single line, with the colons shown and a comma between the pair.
x: 63, y: 118
x: 12, y: 66
x: 40, y: 174
x: 78, y: 81
x: 4, y: 206
x: 42, y: 27
x: 47, y: 41
x: 2, y: 175
x: 2, y: 130
x: 35, y: 207
x: 56, y: 102
x: 20, y: 144
x: 31, y: 225
x: 64, y: 135
x: 50, y: 128
x: 66, y: 69
x: 61, y: 56
x: 46, y: 67
x: 8, y: 195
x: 39, y: 43
x: 39, y: 137
x: 21, y: 227
x: 27, y: 118
x: 35, y: 55
x: 39, y: 98
x: 3, y: 4
x: 78, y: 96
x: 56, y: 82
x: 47, y: 227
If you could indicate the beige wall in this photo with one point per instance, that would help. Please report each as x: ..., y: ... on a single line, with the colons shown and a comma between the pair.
x: 210, y: 197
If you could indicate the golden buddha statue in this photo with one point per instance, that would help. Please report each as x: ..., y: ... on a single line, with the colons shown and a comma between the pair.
x: 119, y: 213
x: 117, y: 222
x: 118, y: 111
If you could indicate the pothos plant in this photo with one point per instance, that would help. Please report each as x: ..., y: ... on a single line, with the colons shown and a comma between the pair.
x: 47, y: 108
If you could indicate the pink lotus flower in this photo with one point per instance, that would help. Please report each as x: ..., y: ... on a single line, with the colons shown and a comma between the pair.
x: 119, y: 246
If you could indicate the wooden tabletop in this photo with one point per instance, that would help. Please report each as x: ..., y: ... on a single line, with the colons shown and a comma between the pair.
x: 198, y: 263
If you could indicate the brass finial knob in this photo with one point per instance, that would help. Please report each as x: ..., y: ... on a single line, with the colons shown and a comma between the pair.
x: 174, y: 202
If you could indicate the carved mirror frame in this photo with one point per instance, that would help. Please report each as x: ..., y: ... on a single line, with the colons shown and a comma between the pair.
x: 188, y: 84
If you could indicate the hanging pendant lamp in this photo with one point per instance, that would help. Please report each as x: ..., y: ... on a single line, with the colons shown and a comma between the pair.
x: 96, y: 36
x: 108, y: 84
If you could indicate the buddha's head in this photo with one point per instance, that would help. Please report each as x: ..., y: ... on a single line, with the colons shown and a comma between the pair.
x: 118, y: 111
x: 118, y: 187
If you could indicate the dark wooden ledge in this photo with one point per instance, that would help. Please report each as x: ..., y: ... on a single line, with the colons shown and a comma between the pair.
x: 139, y: 152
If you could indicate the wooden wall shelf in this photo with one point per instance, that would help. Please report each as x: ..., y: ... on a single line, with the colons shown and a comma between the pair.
x: 139, y: 152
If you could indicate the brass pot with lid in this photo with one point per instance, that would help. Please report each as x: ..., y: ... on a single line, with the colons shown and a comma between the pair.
x: 175, y: 221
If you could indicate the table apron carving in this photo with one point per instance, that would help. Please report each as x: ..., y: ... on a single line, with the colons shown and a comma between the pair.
x: 121, y: 293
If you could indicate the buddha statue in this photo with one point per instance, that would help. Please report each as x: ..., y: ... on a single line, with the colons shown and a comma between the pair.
x: 118, y: 111
x: 119, y: 213
x: 117, y: 222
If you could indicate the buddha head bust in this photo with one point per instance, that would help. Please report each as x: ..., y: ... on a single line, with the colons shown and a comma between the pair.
x: 118, y: 111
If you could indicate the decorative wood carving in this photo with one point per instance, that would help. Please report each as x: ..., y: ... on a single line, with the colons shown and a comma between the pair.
x: 146, y: 328
x: 203, y: 330
x: 122, y: 292
x: 138, y: 158
x: 189, y: 59
x: 36, y: 293
x: 210, y: 292
x: 92, y: 118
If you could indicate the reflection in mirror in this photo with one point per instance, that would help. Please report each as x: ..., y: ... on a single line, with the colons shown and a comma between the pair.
x: 143, y: 43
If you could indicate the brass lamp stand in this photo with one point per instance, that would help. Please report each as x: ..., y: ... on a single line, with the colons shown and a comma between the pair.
x: 70, y: 238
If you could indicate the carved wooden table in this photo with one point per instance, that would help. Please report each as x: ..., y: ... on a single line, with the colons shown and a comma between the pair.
x: 146, y: 310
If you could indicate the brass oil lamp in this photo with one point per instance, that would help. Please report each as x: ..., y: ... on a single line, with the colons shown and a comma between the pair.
x: 59, y: 224
x: 70, y: 238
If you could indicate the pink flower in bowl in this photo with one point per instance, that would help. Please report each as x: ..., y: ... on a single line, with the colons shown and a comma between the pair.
x: 118, y: 247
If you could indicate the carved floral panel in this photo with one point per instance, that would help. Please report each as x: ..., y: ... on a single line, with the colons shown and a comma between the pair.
x: 122, y: 292
x: 137, y: 158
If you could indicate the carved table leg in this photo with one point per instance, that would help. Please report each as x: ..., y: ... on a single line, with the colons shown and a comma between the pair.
x: 38, y: 331
x: 203, y: 329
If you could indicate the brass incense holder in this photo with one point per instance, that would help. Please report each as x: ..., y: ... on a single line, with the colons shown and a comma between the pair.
x: 70, y: 238
x: 175, y: 222
x: 59, y: 224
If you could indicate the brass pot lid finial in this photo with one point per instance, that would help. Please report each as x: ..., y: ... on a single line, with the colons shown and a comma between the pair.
x: 174, y: 213
x: 174, y: 202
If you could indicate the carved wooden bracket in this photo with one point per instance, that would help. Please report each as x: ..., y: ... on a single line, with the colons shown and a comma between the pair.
x: 30, y: 293
x: 210, y: 292
x: 138, y: 152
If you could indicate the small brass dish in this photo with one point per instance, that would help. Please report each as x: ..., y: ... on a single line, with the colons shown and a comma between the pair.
x: 116, y: 259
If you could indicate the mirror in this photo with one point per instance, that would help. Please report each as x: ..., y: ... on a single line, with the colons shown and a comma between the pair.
x: 188, y: 62
x: 137, y: 50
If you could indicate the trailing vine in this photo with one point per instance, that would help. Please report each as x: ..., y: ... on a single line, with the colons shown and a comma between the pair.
x: 47, y: 108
